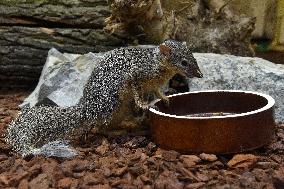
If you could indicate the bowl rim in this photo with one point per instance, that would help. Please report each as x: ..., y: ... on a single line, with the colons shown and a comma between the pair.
x: 270, y: 104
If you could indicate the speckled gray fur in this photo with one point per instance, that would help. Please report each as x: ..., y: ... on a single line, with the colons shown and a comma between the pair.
x: 111, y: 79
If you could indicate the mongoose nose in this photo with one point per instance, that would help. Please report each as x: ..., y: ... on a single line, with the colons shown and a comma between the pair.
x: 199, y: 74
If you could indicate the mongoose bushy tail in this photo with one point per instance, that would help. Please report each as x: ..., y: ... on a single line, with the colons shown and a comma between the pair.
x: 42, y: 125
x: 124, y: 75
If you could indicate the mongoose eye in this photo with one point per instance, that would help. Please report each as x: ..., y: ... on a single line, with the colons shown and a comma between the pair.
x: 184, y: 63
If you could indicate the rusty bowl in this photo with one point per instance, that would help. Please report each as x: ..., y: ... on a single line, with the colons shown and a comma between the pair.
x: 216, y: 121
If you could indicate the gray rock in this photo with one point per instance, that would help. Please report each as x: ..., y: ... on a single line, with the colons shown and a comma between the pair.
x: 62, y: 79
x: 241, y: 73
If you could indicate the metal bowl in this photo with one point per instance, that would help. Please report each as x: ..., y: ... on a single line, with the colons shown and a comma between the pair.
x: 216, y: 121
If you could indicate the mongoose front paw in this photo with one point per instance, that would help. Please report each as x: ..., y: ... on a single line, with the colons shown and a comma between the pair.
x: 166, y: 101
x: 144, y: 106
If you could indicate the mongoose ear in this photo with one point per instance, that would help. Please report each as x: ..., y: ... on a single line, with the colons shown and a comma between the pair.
x: 165, y: 50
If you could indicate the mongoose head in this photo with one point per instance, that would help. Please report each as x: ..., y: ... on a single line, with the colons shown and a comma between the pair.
x: 180, y: 57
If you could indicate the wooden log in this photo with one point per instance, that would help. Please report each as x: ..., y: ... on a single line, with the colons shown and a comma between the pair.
x: 60, y: 13
x: 29, y: 28
x: 24, y: 49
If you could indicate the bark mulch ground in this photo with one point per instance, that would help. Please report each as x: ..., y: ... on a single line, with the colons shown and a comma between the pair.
x: 136, y: 162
